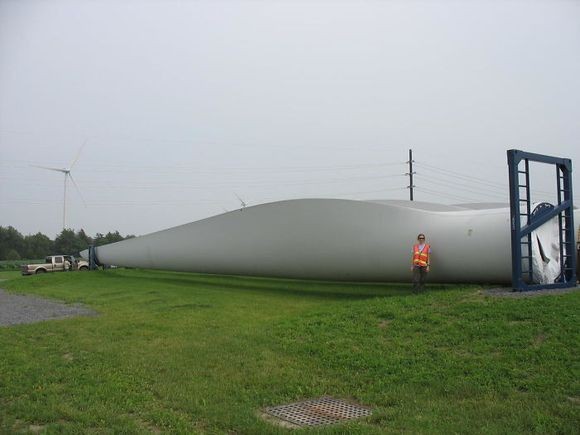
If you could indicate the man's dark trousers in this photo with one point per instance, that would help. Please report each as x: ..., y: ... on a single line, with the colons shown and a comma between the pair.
x: 419, y: 278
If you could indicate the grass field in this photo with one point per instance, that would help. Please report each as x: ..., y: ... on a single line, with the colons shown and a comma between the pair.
x: 189, y: 353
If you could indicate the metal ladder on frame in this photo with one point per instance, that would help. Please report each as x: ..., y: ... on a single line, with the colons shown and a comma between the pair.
x: 520, y: 208
x: 565, y: 228
x: 526, y: 241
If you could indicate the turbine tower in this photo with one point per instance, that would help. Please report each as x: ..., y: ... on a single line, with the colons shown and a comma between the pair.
x: 67, y: 175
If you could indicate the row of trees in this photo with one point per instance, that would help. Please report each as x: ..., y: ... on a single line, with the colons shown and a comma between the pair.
x: 15, y: 246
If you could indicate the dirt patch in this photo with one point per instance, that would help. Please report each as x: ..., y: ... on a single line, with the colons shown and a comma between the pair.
x: 384, y: 323
x: 36, y: 428
x: 68, y: 357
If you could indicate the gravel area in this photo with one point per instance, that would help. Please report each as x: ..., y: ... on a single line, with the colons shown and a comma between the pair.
x: 507, y: 292
x: 18, y: 309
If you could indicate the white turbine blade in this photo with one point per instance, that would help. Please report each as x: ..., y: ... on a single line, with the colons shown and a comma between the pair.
x: 78, y: 154
x: 77, y: 187
x: 50, y: 169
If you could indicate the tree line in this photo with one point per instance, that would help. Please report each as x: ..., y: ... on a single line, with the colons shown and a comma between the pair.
x: 15, y: 246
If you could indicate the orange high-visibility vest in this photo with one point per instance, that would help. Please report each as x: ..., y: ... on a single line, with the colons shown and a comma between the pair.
x: 421, y: 257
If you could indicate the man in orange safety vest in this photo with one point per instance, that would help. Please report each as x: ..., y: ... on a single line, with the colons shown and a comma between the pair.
x: 420, y: 262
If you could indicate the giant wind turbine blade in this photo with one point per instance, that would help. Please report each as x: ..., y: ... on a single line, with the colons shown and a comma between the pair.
x: 78, y: 155
x: 334, y: 239
x: 50, y: 169
x: 77, y: 188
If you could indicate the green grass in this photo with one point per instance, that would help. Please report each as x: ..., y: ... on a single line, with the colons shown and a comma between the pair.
x: 190, y: 353
x: 9, y: 274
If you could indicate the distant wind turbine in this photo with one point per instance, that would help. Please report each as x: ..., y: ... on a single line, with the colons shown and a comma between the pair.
x: 241, y: 201
x: 67, y: 175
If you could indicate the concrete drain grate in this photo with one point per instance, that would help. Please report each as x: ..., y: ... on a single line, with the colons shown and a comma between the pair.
x: 317, y: 412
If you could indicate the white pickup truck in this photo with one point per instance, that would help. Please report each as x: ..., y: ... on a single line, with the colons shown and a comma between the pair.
x: 55, y: 263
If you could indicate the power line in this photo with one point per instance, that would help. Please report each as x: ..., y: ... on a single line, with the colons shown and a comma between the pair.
x: 205, y: 169
x: 475, y: 180
x: 466, y: 177
x: 474, y: 185
x: 451, y: 196
x: 128, y: 185
x: 447, y: 184
x: 190, y: 201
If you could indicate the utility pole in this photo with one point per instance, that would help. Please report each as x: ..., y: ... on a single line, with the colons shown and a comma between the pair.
x: 410, y: 174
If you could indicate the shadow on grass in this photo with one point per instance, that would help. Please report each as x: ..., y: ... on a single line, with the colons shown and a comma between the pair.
x: 275, y: 286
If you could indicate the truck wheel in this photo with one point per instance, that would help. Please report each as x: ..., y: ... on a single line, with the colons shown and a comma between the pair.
x: 39, y: 271
x: 83, y: 268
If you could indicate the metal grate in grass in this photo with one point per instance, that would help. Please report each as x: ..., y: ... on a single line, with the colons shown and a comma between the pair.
x: 317, y: 412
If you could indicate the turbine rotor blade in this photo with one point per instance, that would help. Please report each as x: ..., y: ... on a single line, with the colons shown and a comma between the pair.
x: 50, y: 169
x: 78, y: 154
x: 77, y: 188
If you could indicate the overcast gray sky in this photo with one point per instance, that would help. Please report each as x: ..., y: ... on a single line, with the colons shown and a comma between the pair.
x: 184, y: 104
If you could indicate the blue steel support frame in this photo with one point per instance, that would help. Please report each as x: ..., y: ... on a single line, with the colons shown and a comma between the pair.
x: 93, y: 260
x: 522, y: 235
